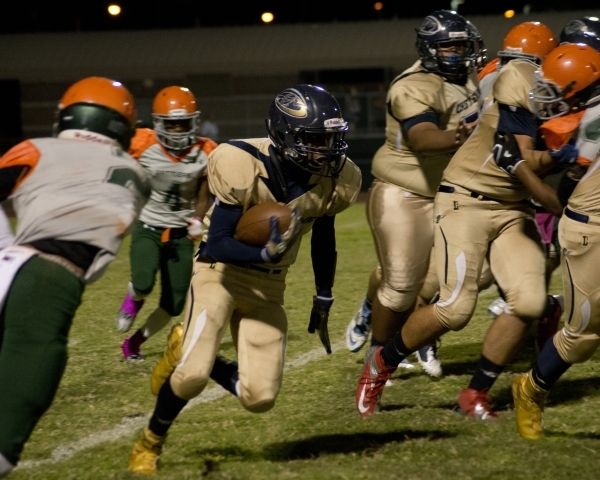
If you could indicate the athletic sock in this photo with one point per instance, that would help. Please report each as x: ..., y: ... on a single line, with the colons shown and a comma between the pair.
x: 225, y: 373
x: 549, y: 366
x: 136, y: 340
x: 395, y: 351
x: 168, y: 406
x: 485, y: 374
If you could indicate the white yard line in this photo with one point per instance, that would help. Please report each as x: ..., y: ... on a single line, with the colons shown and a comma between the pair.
x: 130, y: 425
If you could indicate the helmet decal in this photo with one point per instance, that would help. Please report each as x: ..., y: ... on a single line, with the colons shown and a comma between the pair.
x: 575, y: 26
x: 430, y: 26
x: 291, y: 103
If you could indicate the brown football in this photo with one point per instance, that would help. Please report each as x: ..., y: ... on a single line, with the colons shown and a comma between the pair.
x: 253, y: 228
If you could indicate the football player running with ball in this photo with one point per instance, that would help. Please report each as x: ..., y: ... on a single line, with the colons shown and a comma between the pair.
x: 76, y: 197
x: 175, y: 159
x: 302, y: 164
x: 432, y: 109
x: 480, y: 211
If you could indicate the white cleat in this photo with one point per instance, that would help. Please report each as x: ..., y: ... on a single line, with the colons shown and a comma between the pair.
x: 359, y: 328
x: 429, y: 360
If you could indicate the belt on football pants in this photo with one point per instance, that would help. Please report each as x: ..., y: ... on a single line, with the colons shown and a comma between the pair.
x: 578, y: 217
x: 449, y: 189
x: 250, y: 266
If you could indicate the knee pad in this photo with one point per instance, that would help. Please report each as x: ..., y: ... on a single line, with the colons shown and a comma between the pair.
x: 527, y: 306
x: 451, y: 318
x: 256, y: 405
x: 188, y: 386
x: 575, y: 348
x: 396, y: 300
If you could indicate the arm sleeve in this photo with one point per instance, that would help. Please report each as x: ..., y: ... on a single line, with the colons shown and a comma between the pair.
x: 323, y: 254
x: 220, y: 245
x: 429, y: 117
x: 517, y: 120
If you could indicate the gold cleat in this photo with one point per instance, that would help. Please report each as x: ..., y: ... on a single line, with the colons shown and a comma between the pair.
x: 529, y: 401
x: 144, y: 456
x: 164, y: 368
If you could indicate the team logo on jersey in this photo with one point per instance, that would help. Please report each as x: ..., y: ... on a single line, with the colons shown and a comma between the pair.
x: 430, y: 26
x: 290, y: 102
x: 575, y: 26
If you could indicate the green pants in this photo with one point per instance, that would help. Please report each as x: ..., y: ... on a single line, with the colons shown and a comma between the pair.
x: 174, y: 259
x: 34, y: 326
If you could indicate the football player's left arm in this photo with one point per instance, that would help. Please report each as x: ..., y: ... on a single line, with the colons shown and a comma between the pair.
x: 508, y: 157
x: 324, y: 259
x: 524, y: 126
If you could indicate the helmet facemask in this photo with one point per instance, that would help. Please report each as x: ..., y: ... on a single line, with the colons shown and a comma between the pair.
x: 549, y: 100
x: 317, y: 151
x: 178, y: 130
x: 453, y: 59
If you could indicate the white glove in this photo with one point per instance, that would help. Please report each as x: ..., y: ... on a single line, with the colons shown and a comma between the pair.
x: 195, y: 228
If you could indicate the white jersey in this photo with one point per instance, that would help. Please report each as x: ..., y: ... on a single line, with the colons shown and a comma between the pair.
x: 77, y: 191
x: 588, y: 136
x: 174, y: 180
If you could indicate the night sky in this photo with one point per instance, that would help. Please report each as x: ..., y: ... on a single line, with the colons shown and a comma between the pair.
x: 91, y: 15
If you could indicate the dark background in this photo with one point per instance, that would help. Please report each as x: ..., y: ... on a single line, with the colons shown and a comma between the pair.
x: 91, y: 15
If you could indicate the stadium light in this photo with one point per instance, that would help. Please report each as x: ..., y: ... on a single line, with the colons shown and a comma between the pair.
x: 378, y: 6
x: 267, y: 17
x: 509, y: 14
x: 114, y: 10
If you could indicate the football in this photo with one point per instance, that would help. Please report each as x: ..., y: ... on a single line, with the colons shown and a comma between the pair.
x: 253, y: 228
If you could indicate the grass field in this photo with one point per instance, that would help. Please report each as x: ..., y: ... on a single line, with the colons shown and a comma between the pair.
x: 314, y: 431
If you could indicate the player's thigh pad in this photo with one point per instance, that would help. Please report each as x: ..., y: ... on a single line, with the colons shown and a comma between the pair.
x: 580, y: 337
x: 144, y: 258
x: 208, y: 312
x: 402, y: 226
x: 463, y: 227
x: 517, y: 258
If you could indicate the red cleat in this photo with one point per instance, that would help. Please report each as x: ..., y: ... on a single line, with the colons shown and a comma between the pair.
x: 476, y: 404
x: 370, y: 386
x: 547, y: 326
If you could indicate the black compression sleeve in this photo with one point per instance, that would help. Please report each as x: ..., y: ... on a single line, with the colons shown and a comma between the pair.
x: 221, y: 246
x: 323, y: 254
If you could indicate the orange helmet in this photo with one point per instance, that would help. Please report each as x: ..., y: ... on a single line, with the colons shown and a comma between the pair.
x: 530, y: 41
x: 176, y: 118
x: 568, y: 81
x: 98, y: 105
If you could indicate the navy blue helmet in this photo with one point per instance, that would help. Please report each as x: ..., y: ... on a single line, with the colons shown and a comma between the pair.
x: 442, y: 30
x: 306, y: 128
x: 583, y: 30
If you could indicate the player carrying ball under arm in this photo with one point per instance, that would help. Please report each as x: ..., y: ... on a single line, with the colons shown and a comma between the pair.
x: 76, y: 197
x: 431, y: 110
x: 480, y: 211
x: 175, y: 159
x: 568, y: 83
x: 302, y: 164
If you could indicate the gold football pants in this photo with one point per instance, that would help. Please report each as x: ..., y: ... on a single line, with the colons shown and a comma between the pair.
x: 466, y: 230
x: 251, y: 302
x: 402, y: 227
x: 580, y: 243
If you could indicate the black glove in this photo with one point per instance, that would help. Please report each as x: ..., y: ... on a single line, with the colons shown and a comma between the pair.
x: 506, y: 152
x: 319, y: 316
